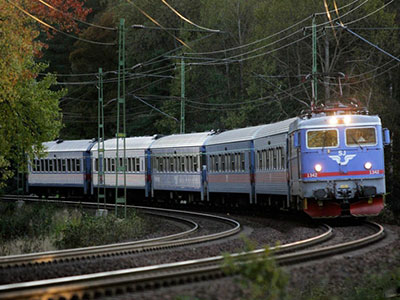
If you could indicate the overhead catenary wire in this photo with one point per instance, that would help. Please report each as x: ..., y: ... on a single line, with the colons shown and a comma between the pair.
x: 272, y: 35
x: 187, y: 20
x: 76, y: 19
x: 157, y: 23
x: 56, y: 29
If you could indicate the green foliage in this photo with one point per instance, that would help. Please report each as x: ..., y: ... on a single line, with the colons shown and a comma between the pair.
x: 84, y: 230
x: 370, y: 287
x: 29, y: 221
x: 28, y: 108
x: 259, y: 275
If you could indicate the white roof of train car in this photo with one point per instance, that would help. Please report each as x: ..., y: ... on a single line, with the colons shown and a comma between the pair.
x: 68, y: 146
x: 250, y: 133
x: 132, y: 143
x: 182, y: 140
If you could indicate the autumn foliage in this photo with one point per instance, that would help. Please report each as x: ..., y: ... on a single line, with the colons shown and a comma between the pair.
x: 29, y: 111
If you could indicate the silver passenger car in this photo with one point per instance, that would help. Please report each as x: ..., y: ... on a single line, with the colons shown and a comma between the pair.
x: 177, y: 164
x: 64, y: 169
x: 136, y: 168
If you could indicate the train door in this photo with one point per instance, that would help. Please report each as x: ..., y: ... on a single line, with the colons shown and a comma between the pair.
x: 294, y: 164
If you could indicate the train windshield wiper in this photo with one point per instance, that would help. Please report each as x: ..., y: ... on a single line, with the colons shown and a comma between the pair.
x: 354, y: 140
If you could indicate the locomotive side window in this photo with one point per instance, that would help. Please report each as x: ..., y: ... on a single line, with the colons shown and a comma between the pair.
x: 360, y: 136
x: 322, y: 138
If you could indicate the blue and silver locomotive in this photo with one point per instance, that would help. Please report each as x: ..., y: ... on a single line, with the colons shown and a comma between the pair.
x: 336, y: 163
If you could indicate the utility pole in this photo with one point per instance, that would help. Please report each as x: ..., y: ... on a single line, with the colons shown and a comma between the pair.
x: 120, y: 163
x: 182, y: 95
x: 101, y: 180
x: 314, y: 64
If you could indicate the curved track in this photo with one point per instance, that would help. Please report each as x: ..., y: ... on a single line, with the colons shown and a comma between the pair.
x: 169, y: 241
x: 93, y: 285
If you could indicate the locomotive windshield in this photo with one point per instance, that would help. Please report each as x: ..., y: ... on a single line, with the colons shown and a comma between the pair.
x: 322, y: 138
x: 360, y: 136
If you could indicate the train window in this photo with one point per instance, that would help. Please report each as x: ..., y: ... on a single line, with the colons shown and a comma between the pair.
x: 69, y: 165
x: 37, y: 163
x: 232, y: 162
x: 79, y: 168
x: 242, y: 161
x: 64, y: 165
x: 42, y: 165
x: 360, y: 136
x: 264, y: 159
x: 74, y: 165
x: 59, y: 168
x: 96, y: 166
x: 275, y: 158
x: 222, y: 163
x: 195, y: 164
x: 182, y: 164
x: 137, y: 164
x: 112, y: 164
x: 322, y: 138
x: 50, y: 165
x: 283, y: 162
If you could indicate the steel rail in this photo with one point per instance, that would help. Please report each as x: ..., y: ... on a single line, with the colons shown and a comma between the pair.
x: 88, y: 286
x: 127, y: 247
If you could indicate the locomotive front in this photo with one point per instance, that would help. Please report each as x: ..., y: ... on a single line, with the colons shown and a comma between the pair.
x: 340, y: 164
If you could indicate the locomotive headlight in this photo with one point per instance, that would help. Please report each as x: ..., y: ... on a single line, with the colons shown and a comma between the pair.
x: 347, y: 119
x: 318, y: 168
x: 368, y: 165
x: 333, y: 121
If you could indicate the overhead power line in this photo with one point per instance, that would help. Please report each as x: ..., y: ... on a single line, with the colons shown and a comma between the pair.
x: 56, y: 29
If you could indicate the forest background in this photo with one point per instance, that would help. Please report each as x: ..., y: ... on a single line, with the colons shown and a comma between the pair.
x: 247, y: 62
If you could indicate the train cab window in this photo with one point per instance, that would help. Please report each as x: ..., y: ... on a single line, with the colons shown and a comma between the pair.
x: 322, y: 138
x: 360, y: 137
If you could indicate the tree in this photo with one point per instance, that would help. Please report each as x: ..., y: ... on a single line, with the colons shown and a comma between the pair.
x: 28, y: 107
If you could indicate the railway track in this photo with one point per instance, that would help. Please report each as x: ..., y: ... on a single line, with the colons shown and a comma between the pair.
x: 144, y: 278
x: 131, y: 280
x: 175, y: 240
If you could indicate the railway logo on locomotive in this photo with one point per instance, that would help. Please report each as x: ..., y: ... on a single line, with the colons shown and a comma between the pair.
x: 346, y: 158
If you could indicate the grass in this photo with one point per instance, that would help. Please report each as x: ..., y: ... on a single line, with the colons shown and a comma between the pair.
x: 43, y: 227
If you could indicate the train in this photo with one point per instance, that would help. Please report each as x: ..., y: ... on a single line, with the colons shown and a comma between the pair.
x: 328, y: 163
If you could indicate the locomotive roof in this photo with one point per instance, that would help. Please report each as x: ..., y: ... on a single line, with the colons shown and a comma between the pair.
x: 250, y: 133
x: 68, y: 146
x: 182, y: 140
x: 324, y: 121
x: 137, y: 143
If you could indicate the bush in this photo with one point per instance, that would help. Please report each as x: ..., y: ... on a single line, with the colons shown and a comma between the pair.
x: 259, y: 275
x: 86, y: 230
